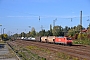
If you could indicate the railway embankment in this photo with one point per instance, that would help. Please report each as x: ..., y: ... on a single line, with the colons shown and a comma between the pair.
x: 45, y: 51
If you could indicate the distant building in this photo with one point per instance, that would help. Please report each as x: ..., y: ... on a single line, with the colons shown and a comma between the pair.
x: 85, y: 30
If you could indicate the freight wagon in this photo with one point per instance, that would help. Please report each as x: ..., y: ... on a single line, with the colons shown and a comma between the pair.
x: 38, y: 39
x: 44, y: 39
x: 51, y: 39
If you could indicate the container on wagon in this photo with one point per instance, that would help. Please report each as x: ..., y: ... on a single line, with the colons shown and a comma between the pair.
x: 22, y: 38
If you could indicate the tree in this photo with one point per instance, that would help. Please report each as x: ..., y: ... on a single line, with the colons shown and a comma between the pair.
x: 57, y: 31
x: 50, y: 32
x: 33, y: 32
x: 71, y: 32
x: 65, y: 30
x: 23, y: 34
x: 78, y: 28
x: 74, y: 30
x: 84, y: 36
x: 28, y: 34
x: 4, y: 36
x: 33, y: 29
x: 37, y: 33
x: 42, y: 33
x: 88, y: 26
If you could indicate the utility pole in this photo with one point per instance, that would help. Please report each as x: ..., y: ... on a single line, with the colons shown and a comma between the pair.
x: 42, y: 27
x: 80, y: 25
x: 50, y: 27
x: 71, y: 19
x: 39, y: 18
x: 17, y: 33
x: 9, y: 33
x: 29, y: 31
x: 88, y: 20
x: 26, y: 33
x: 3, y: 33
x: 29, y: 26
x: 71, y: 22
x: 3, y: 30
x: 54, y: 22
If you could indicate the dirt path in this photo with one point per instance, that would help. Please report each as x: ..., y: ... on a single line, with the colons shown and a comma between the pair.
x: 6, y: 53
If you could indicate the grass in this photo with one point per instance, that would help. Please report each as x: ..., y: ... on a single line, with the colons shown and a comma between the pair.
x: 38, y: 48
x: 11, y: 53
x: 2, y: 41
x: 66, y: 57
x: 26, y: 54
x: 58, y: 54
x: 36, y: 56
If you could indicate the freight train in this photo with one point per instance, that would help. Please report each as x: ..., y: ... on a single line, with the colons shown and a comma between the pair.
x: 52, y: 39
x: 56, y: 40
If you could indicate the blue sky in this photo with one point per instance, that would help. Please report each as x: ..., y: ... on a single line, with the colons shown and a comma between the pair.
x: 19, y: 14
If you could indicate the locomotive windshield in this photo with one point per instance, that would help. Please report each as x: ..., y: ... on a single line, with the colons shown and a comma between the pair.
x: 69, y: 39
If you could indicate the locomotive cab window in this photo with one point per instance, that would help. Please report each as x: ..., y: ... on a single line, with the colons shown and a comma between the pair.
x: 69, y: 39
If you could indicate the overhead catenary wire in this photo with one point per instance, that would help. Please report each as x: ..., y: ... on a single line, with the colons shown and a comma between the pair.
x: 41, y: 16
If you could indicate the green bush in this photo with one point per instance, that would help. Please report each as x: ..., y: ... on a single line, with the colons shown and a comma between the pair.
x: 84, y: 42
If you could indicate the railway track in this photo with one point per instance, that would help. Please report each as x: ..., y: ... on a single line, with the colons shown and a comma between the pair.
x: 76, y: 47
x: 77, y: 51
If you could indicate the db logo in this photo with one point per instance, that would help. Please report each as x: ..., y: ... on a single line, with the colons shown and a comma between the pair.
x: 59, y: 39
